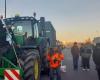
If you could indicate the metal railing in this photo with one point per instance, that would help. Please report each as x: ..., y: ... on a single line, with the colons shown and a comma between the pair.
x: 5, y: 63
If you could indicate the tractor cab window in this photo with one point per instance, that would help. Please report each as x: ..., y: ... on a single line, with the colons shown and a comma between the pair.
x: 23, y: 27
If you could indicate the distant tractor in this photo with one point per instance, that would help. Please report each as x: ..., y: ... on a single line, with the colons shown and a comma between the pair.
x: 30, y: 46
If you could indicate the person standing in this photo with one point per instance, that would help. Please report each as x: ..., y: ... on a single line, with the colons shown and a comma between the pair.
x: 86, y: 54
x: 55, y: 57
x: 81, y: 54
x: 96, y: 58
x: 75, y: 54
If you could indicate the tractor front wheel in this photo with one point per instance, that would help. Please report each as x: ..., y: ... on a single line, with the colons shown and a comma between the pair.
x: 32, y: 66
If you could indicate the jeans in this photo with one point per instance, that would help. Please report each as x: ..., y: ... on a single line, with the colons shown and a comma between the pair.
x: 85, y: 63
x: 75, y: 62
x: 56, y: 72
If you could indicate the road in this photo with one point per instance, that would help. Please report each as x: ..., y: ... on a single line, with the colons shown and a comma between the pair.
x: 70, y: 74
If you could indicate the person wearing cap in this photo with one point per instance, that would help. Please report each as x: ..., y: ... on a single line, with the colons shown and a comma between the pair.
x: 75, y: 54
x: 55, y: 57
x: 96, y: 58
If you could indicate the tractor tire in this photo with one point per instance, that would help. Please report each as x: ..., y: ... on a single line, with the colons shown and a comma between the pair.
x: 32, y: 66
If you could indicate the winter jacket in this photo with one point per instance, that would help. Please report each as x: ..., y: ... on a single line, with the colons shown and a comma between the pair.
x: 82, y: 51
x: 75, y: 51
x: 86, y: 51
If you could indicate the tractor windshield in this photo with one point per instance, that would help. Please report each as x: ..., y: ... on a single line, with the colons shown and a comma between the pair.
x: 23, y: 27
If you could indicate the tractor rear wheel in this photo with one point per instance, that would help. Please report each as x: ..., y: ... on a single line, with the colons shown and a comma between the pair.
x: 32, y: 66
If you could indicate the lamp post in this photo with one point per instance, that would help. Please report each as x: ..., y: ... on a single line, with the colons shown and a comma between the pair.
x: 5, y: 8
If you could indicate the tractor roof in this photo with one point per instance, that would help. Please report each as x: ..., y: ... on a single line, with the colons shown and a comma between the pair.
x: 18, y: 18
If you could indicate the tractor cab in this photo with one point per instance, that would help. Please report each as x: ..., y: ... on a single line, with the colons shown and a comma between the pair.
x: 24, y: 41
x: 23, y: 28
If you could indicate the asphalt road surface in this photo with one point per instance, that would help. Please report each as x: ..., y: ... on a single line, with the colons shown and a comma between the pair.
x: 70, y: 74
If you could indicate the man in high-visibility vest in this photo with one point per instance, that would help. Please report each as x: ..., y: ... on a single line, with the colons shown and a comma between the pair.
x: 55, y: 57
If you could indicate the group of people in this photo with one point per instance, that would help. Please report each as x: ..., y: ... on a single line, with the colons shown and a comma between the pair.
x: 86, y: 51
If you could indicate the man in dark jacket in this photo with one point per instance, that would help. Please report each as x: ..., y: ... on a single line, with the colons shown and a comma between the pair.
x: 96, y: 58
x: 81, y: 54
x: 85, y: 52
x: 75, y: 54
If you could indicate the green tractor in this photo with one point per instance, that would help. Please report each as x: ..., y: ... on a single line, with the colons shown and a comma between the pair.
x: 28, y: 48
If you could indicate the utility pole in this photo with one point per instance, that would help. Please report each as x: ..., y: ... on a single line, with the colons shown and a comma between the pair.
x: 5, y: 8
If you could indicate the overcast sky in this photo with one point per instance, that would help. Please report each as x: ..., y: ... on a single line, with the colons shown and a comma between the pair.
x: 74, y: 20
